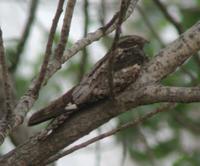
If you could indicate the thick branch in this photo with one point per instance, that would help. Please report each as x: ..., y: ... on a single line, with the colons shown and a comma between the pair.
x: 158, y: 93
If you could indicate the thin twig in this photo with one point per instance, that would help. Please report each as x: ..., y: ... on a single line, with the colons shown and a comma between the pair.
x: 124, y: 152
x: 84, y: 57
x: 21, y: 45
x: 122, y: 12
x: 148, y: 148
x: 197, y: 59
x: 48, y: 50
x: 162, y: 7
x: 149, y: 25
x: 136, y: 122
x: 65, y: 29
x: 5, y: 75
x: 102, y: 12
x: 98, y: 150
x: 190, y: 74
x: 182, y: 121
x: 37, y: 21
x: 7, y: 113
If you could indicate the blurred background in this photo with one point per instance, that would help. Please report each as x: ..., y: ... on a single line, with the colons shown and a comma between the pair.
x: 169, y: 139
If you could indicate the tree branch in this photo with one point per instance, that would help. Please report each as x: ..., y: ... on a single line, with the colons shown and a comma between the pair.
x: 6, y: 113
x: 48, y: 50
x: 150, y: 25
x: 65, y: 30
x: 84, y: 57
x: 162, y: 7
x: 159, y: 93
x: 5, y: 76
x: 110, y: 55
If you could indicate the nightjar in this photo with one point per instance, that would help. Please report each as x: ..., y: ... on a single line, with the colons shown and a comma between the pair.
x: 128, y: 57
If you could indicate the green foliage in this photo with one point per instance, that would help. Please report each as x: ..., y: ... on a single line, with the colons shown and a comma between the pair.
x: 188, y: 160
x: 190, y: 16
x: 165, y: 148
x: 21, y: 85
x: 10, y: 52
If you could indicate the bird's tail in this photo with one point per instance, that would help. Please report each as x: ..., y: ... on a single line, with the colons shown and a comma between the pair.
x: 53, y: 110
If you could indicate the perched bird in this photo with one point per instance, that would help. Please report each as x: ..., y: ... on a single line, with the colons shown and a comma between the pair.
x: 94, y: 87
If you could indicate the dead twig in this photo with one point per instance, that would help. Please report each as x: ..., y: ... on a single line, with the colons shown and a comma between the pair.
x: 102, y: 12
x: 65, y: 30
x: 6, y: 113
x: 150, y: 26
x: 110, y: 54
x: 48, y: 50
x: 162, y: 7
x: 84, y: 57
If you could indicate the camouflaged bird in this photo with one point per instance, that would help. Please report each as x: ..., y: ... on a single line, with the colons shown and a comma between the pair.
x: 94, y: 87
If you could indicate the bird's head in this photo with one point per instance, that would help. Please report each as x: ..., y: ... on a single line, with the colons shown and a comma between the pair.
x: 130, y: 52
x: 132, y: 40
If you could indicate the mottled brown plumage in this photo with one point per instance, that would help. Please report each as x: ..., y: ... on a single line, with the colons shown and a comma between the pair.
x: 94, y: 87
